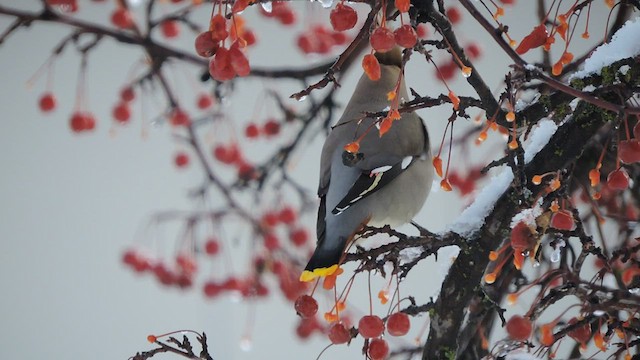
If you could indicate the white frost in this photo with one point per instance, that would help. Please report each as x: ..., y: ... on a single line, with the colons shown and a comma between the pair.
x: 528, y: 216
x: 540, y: 136
x: 624, y: 44
x: 472, y: 218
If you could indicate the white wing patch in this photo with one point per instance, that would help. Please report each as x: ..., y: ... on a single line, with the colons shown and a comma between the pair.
x: 406, y: 162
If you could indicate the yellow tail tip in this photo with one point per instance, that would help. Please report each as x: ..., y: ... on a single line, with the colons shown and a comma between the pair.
x: 310, y: 275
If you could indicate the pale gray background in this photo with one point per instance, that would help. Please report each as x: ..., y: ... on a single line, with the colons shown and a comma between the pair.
x: 71, y: 204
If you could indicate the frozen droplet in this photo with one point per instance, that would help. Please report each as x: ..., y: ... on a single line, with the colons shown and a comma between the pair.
x: 555, y: 255
x: 302, y: 98
x: 598, y: 313
x: 536, y: 264
x: 635, y: 291
x: 246, y: 344
x: 267, y: 6
x: 326, y: 3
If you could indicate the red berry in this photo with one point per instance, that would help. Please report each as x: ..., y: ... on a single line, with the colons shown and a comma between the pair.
x: 618, y: 179
x: 271, y: 127
x: 636, y: 131
x: 454, y: 15
x: 47, y: 102
x: 218, y: 28
x: 220, y: 66
x: 398, y: 324
x: 339, y: 38
x: 629, y: 151
x: 519, y: 328
x: 211, y: 288
x: 121, y: 18
x: 474, y: 51
x: 238, y: 60
x: 181, y: 159
x: 521, y: 237
x: 205, y: 45
x: 562, y: 220
x: 251, y: 131
x: 371, y: 67
x: 204, y: 101
x: 339, y: 334
x: 286, y: 16
x: 212, y: 246
x: 249, y: 36
x: 299, y: 236
x: 382, y: 39
x: 287, y: 215
x: 187, y: 263
x: 405, y: 36
x: 343, y: 17
x: 246, y: 171
x: 127, y: 94
x: 270, y: 219
x: 227, y: 154
x: 82, y: 121
x: 370, y: 326
x: 378, y: 349
x: 422, y: 31
x: 306, y: 327
x: 170, y: 29
x: 306, y: 306
x: 271, y: 242
x: 121, y: 112
x: 179, y: 118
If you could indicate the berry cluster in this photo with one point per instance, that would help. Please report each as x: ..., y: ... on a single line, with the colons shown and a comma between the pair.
x: 225, y: 63
x: 320, y: 40
x: 287, y: 216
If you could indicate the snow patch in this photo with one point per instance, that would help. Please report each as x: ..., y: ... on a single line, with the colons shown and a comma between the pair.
x: 624, y: 44
x: 472, y: 218
x: 539, y: 138
x: 528, y: 216
x: 518, y: 355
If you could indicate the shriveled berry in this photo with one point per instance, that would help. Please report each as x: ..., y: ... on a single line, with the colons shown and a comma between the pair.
x: 339, y: 334
x: 218, y: 27
x: 629, y: 151
x: 306, y: 306
x: 205, y: 45
x: 378, y: 349
x: 582, y: 333
x: 519, y: 328
x: 398, y: 324
x: 47, y: 102
x: 618, y: 179
x: 562, y: 220
x: 370, y: 326
x: 382, y: 39
x: 343, y: 17
x: 405, y: 36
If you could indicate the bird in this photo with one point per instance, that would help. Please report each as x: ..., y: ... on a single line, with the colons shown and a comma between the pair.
x: 385, y: 181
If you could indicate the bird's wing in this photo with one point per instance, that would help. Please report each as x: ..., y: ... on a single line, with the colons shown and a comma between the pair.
x: 371, y: 181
